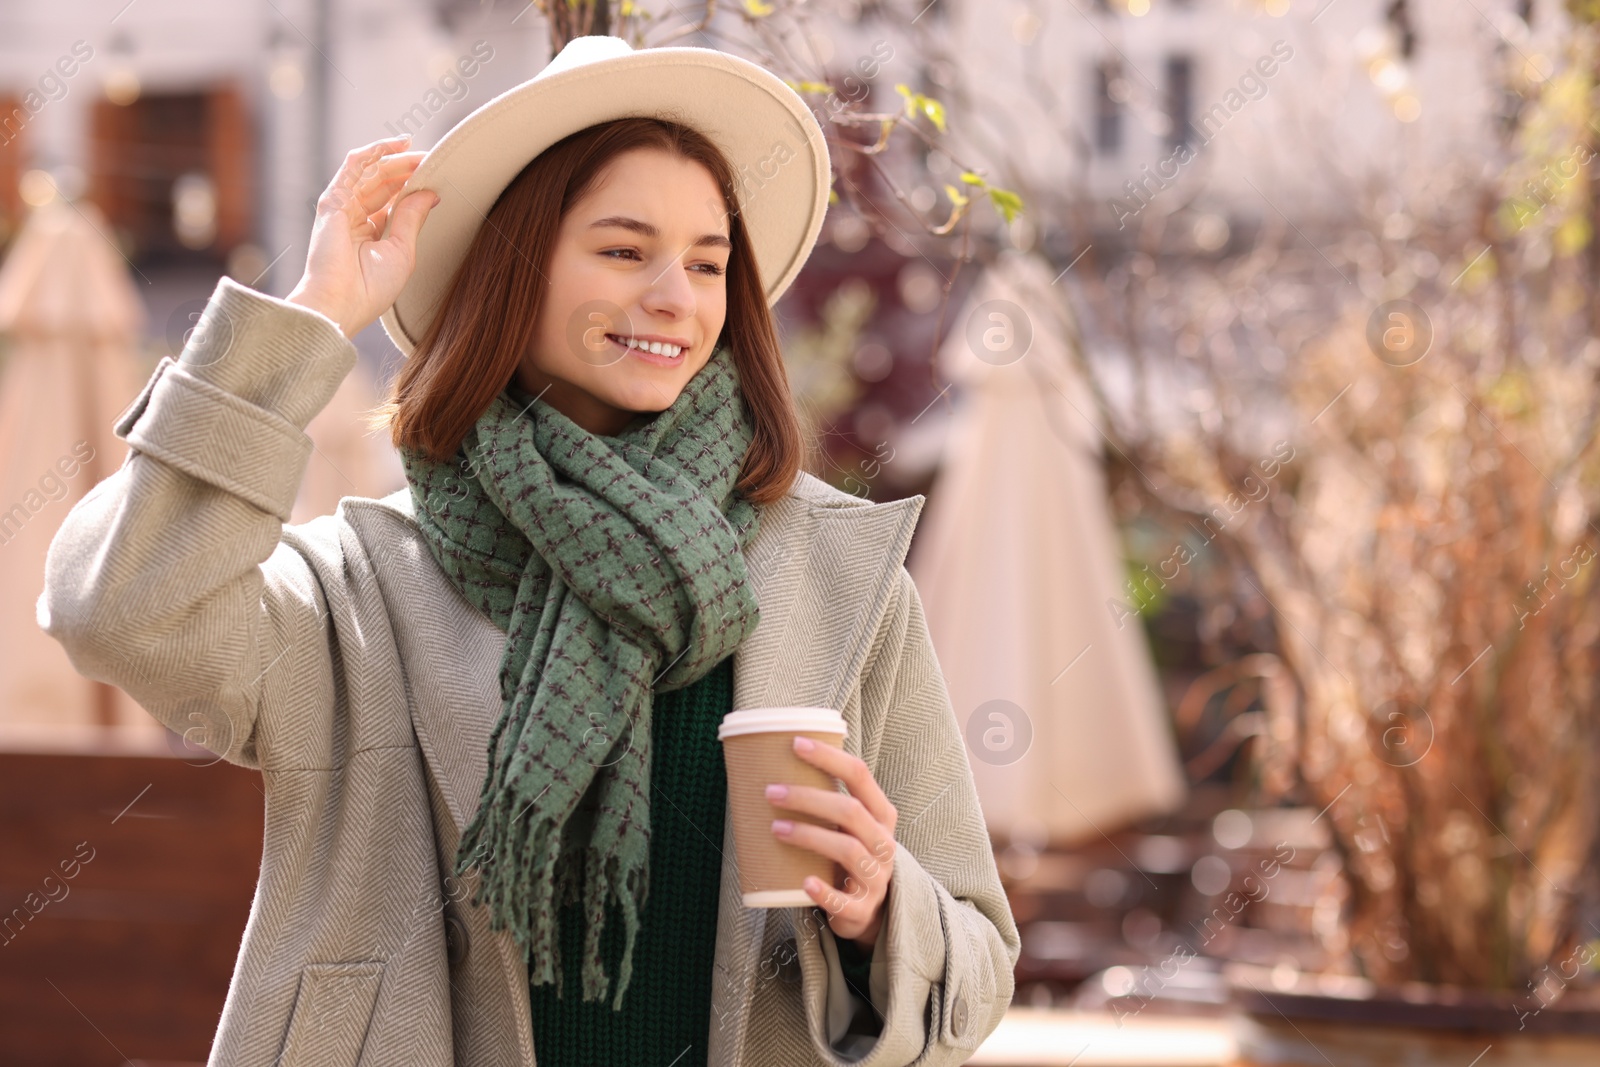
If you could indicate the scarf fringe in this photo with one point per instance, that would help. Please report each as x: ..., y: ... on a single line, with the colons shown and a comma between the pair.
x: 519, y: 890
x: 524, y: 896
x: 624, y: 885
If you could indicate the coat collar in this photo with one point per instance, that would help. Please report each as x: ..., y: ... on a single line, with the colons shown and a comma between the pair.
x: 824, y: 565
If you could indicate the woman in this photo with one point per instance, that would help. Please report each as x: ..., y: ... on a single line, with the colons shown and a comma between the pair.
x: 485, y: 707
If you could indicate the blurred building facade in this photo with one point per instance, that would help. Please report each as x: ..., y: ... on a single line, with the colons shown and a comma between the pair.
x: 215, y: 126
x: 211, y: 129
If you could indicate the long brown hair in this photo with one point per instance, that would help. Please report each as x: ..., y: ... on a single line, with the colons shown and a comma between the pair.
x: 477, y: 340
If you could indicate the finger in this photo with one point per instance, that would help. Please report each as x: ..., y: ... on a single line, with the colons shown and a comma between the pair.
x: 845, y: 811
x: 356, y: 159
x: 381, y: 179
x: 393, y: 160
x: 847, y: 914
x: 853, y: 772
x: 375, y: 206
x: 859, y: 891
x: 378, y: 218
x: 343, y: 190
x: 372, y: 226
x: 844, y: 849
x: 409, y: 215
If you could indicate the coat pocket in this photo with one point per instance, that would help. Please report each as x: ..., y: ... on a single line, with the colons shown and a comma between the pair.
x: 332, y: 1009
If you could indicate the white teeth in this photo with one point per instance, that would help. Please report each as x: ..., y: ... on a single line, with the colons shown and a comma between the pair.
x: 659, y: 348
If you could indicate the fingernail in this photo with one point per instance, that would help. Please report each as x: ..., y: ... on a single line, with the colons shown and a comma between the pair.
x: 782, y: 827
x: 804, y: 744
x: 777, y: 792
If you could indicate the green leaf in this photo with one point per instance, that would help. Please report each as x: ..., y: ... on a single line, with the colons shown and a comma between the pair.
x: 1008, y: 203
x: 756, y: 9
x: 956, y: 196
x: 917, y: 103
x: 971, y: 178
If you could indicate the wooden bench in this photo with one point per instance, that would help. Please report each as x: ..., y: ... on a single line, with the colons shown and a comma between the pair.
x: 125, y: 882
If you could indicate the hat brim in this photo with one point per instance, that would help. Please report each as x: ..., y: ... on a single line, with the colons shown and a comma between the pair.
x: 770, y: 137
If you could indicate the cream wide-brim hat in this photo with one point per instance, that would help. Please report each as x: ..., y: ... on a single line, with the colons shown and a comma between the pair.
x: 763, y: 127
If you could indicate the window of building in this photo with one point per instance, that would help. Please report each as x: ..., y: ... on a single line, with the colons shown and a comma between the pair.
x: 174, y: 172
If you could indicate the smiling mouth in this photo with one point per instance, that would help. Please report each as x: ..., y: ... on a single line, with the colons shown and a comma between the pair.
x: 655, y: 348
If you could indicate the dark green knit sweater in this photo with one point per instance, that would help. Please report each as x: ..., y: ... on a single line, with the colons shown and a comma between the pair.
x: 666, y: 1011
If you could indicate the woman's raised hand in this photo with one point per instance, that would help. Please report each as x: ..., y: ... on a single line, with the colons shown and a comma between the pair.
x: 351, y: 275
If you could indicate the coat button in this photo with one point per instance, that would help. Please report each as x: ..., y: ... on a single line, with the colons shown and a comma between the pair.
x: 958, y: 1016
x: 455, y: 939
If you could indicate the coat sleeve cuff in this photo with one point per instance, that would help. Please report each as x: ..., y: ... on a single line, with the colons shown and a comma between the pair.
x: 912, y: 945
x: 908, y: 965
x: 930, y: 981
x: 232, y: 409
x: 852, y: 1005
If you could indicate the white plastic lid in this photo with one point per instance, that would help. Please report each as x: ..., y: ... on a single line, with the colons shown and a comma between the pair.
x: 781, y: 720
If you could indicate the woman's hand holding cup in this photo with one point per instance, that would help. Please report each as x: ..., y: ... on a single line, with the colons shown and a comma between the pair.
x: 863, y: 845
x: 352, y: 276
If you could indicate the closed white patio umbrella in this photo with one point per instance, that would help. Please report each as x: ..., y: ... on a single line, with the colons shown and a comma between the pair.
x: 1016, y: 560
x: 71, y: 316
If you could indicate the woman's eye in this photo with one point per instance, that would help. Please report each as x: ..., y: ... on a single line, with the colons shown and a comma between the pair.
x: 710, y: 269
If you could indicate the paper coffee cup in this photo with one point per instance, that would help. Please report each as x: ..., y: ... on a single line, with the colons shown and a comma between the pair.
x: 758, y: 750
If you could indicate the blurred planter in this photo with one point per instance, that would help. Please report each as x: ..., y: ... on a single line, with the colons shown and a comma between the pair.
x: 1297, y: 1020
x: 1414, y: 494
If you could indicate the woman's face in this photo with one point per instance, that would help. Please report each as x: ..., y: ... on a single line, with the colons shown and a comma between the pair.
x: 643, y: 254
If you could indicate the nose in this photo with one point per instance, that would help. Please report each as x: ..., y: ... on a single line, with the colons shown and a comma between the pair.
x: 670, y: 294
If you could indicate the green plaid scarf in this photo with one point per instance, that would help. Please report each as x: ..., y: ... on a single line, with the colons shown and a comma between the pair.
x: 615, y: 565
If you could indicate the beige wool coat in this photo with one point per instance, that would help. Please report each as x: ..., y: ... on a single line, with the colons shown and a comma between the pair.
x: 335, y: 657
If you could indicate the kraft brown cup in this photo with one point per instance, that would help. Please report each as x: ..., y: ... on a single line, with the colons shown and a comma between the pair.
x: 758, y: 751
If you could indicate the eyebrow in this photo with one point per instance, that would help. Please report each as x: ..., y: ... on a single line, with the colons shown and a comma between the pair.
x: 645, y: 229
